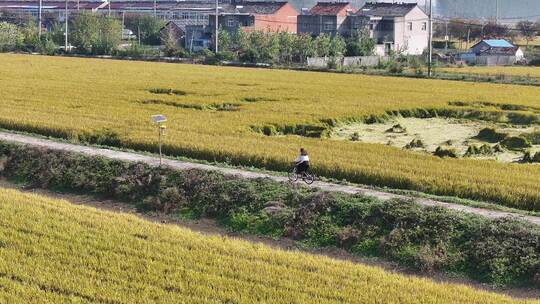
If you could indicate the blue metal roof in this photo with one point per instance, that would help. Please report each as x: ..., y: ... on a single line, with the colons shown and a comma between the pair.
x: 498, y: 43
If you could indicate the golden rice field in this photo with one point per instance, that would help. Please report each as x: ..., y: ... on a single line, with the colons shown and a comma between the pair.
x: 70, y: 96
x: 54, y: 252
x: 524, y: 71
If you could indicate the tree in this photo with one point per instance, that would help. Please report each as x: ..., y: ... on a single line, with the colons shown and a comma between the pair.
x: 527, y: 30
x: 225, y: 40
x: 10, y: 36
x: 360, y: 44
x: 109, y: 36
x: 322, y: 45
x: 303, y: 47
x: 83, y: 31
x: 337, y: 46
x: 95, y: 34
x: 146, y: 27
x: 286, y: 47
x: 169, y: 39
x: 270, y: 47
x: 57, y: 32
x: 495, y: 30
x: 457, y: 28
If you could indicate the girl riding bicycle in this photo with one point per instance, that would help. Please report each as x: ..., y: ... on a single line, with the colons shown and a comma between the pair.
x: 302, y: 161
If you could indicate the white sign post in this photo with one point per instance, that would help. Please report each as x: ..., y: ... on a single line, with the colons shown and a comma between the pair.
x: 160, y: 120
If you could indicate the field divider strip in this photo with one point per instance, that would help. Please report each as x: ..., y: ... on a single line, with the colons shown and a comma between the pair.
x: 183, y: 165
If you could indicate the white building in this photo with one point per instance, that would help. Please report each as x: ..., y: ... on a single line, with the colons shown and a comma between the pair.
x: 396, y: 27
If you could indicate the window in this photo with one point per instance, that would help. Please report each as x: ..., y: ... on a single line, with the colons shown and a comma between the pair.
x: 231, y: 22
x: 409, y: 25
x: 424, y: 26
x: 328, y: 26
x: 386, y: 25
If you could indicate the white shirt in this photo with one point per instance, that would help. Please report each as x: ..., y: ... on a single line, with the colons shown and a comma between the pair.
x: 301, y: 159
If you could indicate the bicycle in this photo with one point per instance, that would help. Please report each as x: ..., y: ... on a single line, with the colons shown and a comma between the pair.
x: 306, y: 176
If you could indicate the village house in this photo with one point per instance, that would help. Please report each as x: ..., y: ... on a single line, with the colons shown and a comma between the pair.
x: 492, y: 52
x: 396, y: 27
x: 494, y: 47
x: 256, y: 15
x: 174, y: 30
x: 325, y: 18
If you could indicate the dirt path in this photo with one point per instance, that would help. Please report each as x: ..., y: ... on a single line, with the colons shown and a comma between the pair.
x: 182, y: 165
x: 210, y: 227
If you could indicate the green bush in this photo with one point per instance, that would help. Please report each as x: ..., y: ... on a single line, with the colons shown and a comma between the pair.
x: 397, y: 128
x: 445, y: 152
x: 502, y: 251
x: 225, y: 56
x: 394, y: 67
x: 533, y: 137
x: 415, y: 143
x: 11, y: 37
x: 491, y: 135
x: 531, y: 157
x: 516, y: 143
x: 484, y: 149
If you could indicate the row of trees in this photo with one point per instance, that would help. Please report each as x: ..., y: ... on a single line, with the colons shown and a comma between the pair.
x: 88, y: 33
x: 102, y: 34
x: 474, y: 30
x: 286, y: 48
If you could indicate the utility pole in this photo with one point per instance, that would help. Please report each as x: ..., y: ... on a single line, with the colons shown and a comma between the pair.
x: 66, y: 28
x: 468, y: 36
x: 39, y: 17
x: 123, y: 24
x: 217, y: 27
x: 497, y: 17
x: 109, y: 7
x: 446, y: 38
x: 430, y: 59
x: 155, y: 8
x: 482, y: 33
x: 78, y: 5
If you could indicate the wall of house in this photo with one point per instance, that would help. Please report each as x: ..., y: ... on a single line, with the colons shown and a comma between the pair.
x: 342, y: 25
x: 352, y: 24
x: 383, y: 31
x: 415, y: 41
x: 319, y: 24
x: 308, y: 24
x: 284, y: 20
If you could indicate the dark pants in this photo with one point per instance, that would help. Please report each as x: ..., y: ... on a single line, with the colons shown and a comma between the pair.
x: 302, y: 167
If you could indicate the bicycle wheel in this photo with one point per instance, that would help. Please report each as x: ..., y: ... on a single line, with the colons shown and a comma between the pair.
x: 308, y: 178
x: 293, y: 177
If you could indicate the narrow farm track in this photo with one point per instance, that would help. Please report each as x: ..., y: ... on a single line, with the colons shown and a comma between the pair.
x: 182, y: 165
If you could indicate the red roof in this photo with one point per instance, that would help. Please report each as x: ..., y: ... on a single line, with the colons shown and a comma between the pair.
x: 330, y: 8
